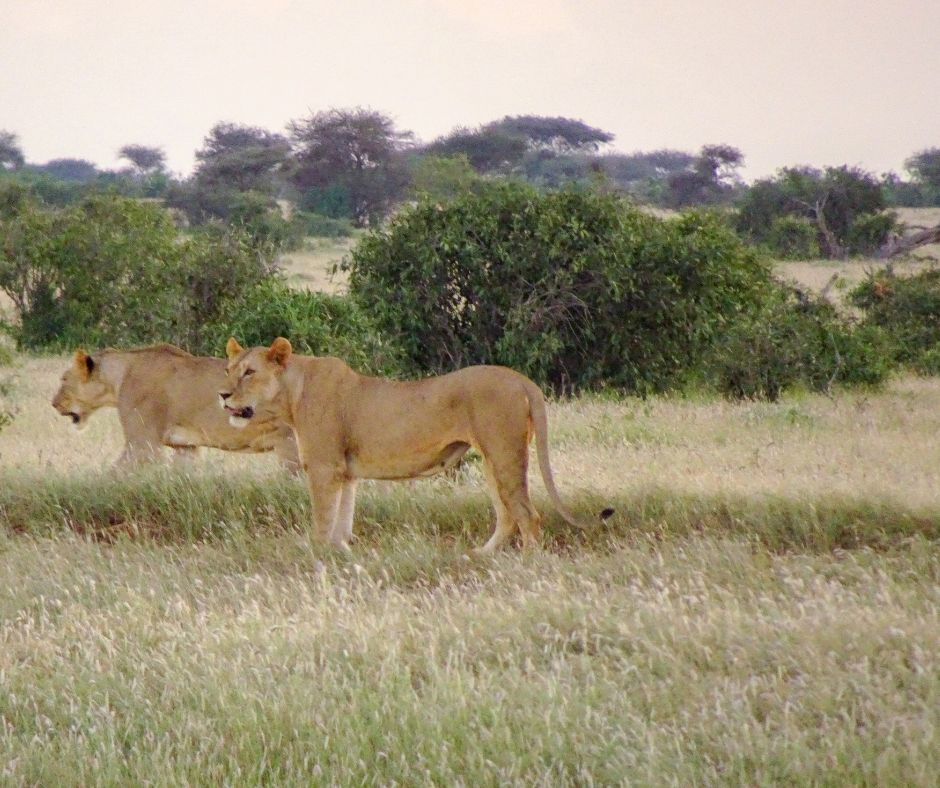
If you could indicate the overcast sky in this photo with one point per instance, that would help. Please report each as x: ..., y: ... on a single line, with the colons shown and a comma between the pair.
x: 790, y: 82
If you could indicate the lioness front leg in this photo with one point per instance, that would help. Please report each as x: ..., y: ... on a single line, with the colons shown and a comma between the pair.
x: 325, y: 492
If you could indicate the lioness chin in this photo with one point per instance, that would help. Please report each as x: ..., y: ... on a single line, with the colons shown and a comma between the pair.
x: 350, y: 427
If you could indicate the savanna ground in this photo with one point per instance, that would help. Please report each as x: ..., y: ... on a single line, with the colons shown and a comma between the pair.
x: 764, y: 607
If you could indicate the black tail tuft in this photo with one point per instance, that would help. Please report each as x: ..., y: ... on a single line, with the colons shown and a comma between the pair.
x: 607, y: 513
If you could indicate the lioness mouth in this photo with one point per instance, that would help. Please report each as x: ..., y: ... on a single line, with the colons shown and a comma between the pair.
x: 74, y: 416
x: 241, y: 413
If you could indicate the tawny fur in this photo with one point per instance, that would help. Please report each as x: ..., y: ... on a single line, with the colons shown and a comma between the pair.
x: 352, y: 427
x: 164, y: 397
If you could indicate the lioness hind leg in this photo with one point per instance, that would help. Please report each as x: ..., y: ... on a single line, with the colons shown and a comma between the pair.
x: 504, y: 524
x: 509, y: 492
x: 343, y: 528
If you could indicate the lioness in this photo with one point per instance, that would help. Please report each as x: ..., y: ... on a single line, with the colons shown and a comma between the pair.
x: 164, y: 397
x: 352, y: 427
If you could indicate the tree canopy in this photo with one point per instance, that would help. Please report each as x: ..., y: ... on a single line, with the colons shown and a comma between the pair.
x: 358, y: 151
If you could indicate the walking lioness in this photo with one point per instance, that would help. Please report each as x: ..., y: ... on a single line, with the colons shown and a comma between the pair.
x: 350, y: 427
x: 164, y: 397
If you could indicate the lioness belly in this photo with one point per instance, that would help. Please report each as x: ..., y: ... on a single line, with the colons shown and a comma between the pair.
x: 408, y: 466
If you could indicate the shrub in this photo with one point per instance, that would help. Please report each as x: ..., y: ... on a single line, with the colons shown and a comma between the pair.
x: 113, y: 270
x: 574, y: 288
x: 793, y: 238
x: 315, y: 323
x: 908, y: 310
x: 870, y: 230
x: 796, y: 340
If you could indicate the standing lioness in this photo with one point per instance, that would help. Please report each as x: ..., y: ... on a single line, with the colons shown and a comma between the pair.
x: 352, y: 427
x: 164, y: 397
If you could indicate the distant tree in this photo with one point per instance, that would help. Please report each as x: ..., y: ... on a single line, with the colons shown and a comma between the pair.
x: 241, y: 158
x: 78, y: 170
x: 503, y: 144
x: 710, y: 179
x: 845, y: 206
x: 487, y: 150
x: 144, y: 159
x: 237, y: 165
x: 559, y: 134
x: 11, y: 155
x: 924, y: 168
x: 358, y: 151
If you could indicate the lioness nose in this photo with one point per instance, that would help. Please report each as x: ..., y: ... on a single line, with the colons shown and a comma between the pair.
x: 225, y: 394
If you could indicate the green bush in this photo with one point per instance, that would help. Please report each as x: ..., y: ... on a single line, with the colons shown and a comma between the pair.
x: 113, y: 270
x: 908, y: 309
x: 797, y: 340
x: 793, y: 238
x: 870, y: 230
x: 574, y: 288
x: 315, y: 323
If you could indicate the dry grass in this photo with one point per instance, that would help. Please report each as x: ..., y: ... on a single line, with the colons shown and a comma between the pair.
x: 763, y: 609
x: 311, y: 268
x: 816, y: 274
x: 804, y: 446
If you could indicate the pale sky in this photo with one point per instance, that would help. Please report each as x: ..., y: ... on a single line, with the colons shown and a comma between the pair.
x: 791, y: 82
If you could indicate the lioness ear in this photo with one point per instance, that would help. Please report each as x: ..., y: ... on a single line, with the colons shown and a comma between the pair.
x: 280, y: 351
x: 232, y: 348
x: 84, y: 363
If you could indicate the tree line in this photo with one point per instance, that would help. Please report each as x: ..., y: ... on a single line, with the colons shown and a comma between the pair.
x: 345, y: 167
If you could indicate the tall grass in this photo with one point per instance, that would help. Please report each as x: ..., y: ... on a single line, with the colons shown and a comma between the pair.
x: 763, y: 608
x: 691, y: 660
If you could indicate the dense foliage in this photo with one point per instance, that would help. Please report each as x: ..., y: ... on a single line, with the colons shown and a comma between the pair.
x: 907, y: 308
x: 574, y: 288
x: 112, y: 270
x: 796, y: 340
x: 838, y: 211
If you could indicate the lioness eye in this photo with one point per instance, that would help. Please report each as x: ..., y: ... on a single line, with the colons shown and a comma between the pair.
x: 248, y: 372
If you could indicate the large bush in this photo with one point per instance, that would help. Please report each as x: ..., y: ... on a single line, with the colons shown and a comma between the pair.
x: 908, y: 309
x: 113, y: 270
x: 574, y: 288
x: 796, y: 339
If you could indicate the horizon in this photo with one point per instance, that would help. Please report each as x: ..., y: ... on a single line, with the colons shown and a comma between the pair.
x: 821, y: 76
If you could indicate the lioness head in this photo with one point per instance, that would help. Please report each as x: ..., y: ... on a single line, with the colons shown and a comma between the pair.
x: 82, y: 391
x: 254, y: 380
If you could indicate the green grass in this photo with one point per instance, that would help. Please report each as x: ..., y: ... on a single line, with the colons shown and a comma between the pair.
x: 167, y: 506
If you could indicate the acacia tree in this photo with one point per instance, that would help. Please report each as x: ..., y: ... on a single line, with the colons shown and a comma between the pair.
x: 144, y: 159
x: 11, y: 155
x: 242, y: 158
x: 238, y: 167
x: 502, y: 145
x: 351, y: 156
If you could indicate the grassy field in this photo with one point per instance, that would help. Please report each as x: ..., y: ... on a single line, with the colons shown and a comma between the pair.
x: 764, y: 607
